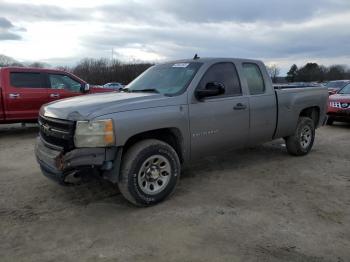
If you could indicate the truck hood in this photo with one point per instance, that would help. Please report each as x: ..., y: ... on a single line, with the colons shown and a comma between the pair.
x: 340, y: 97
x: 87, y: 107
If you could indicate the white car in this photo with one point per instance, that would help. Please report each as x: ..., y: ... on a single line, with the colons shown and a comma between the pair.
x: 114, y: 85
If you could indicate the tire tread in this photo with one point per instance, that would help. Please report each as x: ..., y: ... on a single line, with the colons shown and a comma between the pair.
x: 293, y: 143
x: 130, y: 156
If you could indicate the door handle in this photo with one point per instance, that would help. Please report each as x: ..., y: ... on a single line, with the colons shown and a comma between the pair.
x: 14, y: 95
x: 239, y: 106
x: 54, y: 95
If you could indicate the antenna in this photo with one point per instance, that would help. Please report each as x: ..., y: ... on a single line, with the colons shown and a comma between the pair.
x: 196, y: 57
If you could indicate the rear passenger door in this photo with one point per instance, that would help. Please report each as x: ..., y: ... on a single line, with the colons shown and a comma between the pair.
x: 63, y: 86
x: 220, y: 122
x: 262, y: 102
x: 26, y: 92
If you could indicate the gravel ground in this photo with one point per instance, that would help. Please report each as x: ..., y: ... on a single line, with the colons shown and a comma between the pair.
x: 258, y: 204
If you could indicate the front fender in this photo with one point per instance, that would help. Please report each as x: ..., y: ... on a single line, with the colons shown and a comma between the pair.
x: 130, y: 123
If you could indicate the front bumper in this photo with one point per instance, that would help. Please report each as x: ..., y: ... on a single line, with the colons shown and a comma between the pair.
x: 57, y: 165
x: 342, y: 115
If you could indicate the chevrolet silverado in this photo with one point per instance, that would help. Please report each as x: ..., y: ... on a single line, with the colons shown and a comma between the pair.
x: 172, y: 114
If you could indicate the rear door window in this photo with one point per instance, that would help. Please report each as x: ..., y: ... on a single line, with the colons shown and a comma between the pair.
x: 26, y: 80
x: 254, y: 78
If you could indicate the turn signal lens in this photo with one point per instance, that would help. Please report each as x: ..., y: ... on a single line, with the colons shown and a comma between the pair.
x: 109, y: 134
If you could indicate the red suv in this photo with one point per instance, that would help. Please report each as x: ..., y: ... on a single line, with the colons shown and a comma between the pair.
x: 24, y: 90
x: 335, y: 86
x: 339, y: 106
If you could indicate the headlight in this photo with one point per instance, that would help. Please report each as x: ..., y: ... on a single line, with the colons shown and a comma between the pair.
x: 97, y: 133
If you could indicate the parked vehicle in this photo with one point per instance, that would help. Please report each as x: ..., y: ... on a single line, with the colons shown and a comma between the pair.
x: 339, y: 106
x: 24, y: 90
x: 172, y: 114
x: 114, y: 85
x: 334, y: 86
x: 324, y: 83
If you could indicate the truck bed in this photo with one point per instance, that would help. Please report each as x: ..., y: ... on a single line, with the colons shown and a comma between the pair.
x: 291, y: 101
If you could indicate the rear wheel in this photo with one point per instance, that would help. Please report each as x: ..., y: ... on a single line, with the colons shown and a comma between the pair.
x: 301, y: 142
x: 150, y: 171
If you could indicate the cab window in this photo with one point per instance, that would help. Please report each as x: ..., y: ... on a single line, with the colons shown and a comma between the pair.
x: 254, y: 78
x: 58, y: 81
x: 25, y: 80
x: 226, y: 74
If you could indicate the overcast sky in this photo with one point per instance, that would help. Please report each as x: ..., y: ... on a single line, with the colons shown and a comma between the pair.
x: 61, y: 32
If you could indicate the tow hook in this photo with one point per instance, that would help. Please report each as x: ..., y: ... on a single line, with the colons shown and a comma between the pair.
x: 72, y: 178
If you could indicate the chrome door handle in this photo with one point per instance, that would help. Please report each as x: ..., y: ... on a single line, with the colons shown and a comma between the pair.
x: 239, y: 106
x: 14, y: 95
x: 54, y: 95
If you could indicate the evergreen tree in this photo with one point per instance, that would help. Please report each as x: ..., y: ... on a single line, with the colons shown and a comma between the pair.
x: 292, y: 73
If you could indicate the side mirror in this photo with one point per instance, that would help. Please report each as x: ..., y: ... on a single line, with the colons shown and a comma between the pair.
x: 86, y: 87
x: 211, y: 89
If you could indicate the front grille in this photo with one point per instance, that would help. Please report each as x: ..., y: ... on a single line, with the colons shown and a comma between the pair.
x: 342, y: 105
x: 57, y: 133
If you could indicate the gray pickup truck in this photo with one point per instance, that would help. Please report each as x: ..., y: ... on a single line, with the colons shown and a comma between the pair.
x: 171, y: 114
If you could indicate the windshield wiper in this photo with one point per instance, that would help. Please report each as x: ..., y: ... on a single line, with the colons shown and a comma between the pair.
x: 125, y: 89
x: 151, y: 90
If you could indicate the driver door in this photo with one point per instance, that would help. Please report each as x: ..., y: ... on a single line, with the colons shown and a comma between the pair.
x: 220, y: 122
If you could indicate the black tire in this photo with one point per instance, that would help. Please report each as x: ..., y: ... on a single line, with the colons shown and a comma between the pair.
x: 135, y: 162
x: 330, y: 121
x: 299, y: 143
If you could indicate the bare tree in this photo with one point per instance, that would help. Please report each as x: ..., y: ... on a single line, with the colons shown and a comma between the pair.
x: 38, y: 65
x: 274, y: 72
x: 336, y: 72
x: 101, y: 71
x: 8, y: 61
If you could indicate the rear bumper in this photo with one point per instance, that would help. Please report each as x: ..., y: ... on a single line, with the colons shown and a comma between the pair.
x: 57, y: 165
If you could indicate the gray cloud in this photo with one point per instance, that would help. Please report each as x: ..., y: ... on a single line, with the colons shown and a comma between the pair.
x: 250, y: 10
x: 272, y: 29
x: 207, y: 11
x: 5, y: 23
x: 7, y: 30
x: 9, y: 36
x: 228, y: 28
x: 34, y: 12
x: 228, y: 40
x: 198, y: 11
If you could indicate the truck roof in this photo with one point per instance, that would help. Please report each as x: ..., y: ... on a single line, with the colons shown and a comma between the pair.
x: 27, y: 68
x: 214, y: 59
x: 38, y: 69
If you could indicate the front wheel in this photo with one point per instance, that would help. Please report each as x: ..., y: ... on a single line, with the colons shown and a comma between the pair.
x: 150, y: 171
x: 301, y: 142
x: 330, y: 121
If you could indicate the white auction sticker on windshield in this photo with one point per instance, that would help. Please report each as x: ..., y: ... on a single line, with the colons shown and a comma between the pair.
x: 181, y: 65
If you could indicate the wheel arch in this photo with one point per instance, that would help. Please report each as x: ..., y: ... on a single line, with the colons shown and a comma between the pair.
x: 171, y: 136
x: 311, y: 112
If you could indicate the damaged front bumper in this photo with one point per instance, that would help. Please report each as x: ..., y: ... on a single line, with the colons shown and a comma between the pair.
x: 58, y: 165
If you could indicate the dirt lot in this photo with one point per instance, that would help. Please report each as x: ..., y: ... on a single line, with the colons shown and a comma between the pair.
x: 258, y: 204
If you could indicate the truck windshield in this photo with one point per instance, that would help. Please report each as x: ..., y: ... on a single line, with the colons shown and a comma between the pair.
x: 345, y: 90
x: 167, y: 79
